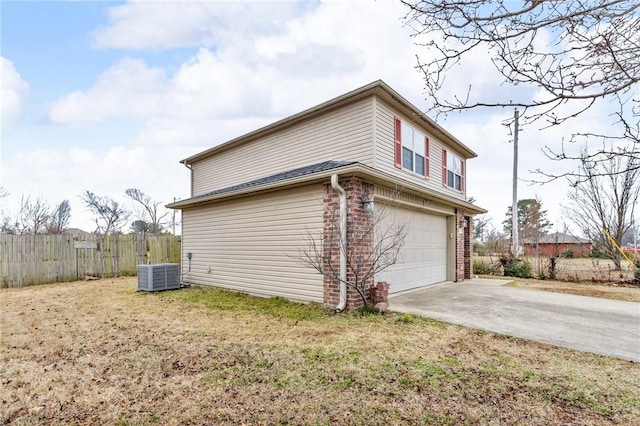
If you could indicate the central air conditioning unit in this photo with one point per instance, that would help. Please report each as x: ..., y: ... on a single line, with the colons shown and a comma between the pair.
x: 161, y: 276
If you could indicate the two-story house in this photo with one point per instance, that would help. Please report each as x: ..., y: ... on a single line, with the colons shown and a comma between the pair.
x: 257, y: 200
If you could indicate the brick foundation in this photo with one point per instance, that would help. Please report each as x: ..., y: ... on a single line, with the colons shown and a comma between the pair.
x: 359, y: 242
x: 380, y: 296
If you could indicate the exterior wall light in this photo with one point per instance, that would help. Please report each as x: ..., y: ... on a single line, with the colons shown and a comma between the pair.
x: 464, y: 223
x: 367, y: 203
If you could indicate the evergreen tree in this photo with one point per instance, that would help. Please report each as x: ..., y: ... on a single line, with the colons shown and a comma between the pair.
x: 532, y: 220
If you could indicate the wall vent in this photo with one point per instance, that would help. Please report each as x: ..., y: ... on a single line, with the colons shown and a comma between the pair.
x: 161, y: 276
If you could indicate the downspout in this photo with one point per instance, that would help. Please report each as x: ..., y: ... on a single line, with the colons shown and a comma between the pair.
x: 343, y: 242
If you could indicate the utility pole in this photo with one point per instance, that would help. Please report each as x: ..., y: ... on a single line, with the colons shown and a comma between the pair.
x: 515, y: 249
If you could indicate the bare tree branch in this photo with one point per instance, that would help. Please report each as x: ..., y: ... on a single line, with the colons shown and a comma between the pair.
x: 59, y: 219
x: 372, y: 251
x: 33, y: 216
x: 151, y: 210
x: 110, y: 215
x: 607, y: 199
x: 570, y: 55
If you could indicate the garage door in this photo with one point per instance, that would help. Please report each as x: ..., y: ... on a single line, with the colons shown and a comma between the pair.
x: 423, y: 257
x: 252, y: 244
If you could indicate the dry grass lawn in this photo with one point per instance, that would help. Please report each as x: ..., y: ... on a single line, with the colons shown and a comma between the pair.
x: 100, y: 353
x: 611, y: 291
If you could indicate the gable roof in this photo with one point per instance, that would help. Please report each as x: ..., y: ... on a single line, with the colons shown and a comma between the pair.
x: 377, y: 88
x: 556, y: 238
x: 321, y: 172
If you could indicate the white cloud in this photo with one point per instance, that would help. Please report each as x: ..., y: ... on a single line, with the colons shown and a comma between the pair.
x: 272, y: 72
x: 57, y: 175
x: 165, y: 25
x: 194, y: 135
x: 128, y: 89
x: 490, y: 176
x: 14, y: 93
x: 249, y: 70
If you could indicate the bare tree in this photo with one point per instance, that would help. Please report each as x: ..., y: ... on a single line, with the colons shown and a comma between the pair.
x: 630, y: 237
x: 6, y: 222
x: 33, y: 216
x: 375, y: 248
x: 110, y: 216
x: 606, y: 200
x: 59, y: 218
x: 150, y: 210
x: 481, y: 225
x: 570, y: 55
x: 549, y: 258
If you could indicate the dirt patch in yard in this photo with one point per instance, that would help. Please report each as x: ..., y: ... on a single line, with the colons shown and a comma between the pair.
x: 614, y: 291
x: 98, y: 352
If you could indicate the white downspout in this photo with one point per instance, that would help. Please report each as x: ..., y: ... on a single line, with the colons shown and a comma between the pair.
x: 343, y: 243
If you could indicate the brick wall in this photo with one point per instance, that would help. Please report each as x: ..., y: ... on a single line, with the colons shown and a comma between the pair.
x: 459, y: 239
x: 464, y: 247
x: 468, y: 248
x: 549, y: 250
x: 359, y: 242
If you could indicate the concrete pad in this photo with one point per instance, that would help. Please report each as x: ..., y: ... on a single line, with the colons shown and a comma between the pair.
x: 600, y: 326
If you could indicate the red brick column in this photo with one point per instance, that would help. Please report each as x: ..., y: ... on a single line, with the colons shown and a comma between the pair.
x: 331, y: 244
x: 460, y: 247
x: 468, y: 248
x: 359, y: 242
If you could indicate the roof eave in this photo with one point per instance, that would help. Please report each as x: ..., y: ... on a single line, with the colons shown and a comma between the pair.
x: 374, y: 88
x: 359, y: 170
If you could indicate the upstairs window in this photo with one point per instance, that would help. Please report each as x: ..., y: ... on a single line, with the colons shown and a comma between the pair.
x: 452, y: 171
x: 411, y: 149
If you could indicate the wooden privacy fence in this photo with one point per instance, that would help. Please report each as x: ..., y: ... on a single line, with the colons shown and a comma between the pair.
x: 38, y: 259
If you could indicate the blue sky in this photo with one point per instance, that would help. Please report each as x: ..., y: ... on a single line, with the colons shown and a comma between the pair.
x: 104, y: 96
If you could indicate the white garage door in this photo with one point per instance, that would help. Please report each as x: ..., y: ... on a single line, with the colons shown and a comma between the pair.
x: 253, y: 244
x: 423, y: 257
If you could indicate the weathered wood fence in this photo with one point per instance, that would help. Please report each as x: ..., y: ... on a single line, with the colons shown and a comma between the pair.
x: 38, y: 259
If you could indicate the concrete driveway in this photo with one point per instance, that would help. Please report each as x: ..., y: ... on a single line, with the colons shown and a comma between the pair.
x: 601, y: 326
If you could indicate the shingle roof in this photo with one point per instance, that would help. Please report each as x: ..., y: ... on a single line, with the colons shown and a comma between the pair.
x: 302, y: 171
x: 556, y: 238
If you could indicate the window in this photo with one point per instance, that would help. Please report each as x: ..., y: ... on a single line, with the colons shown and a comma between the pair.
x: 411, y: 149
x: 452, y: 171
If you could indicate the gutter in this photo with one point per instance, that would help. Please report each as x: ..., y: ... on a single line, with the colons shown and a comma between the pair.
x: 343, y: 242
x: 357, y: 169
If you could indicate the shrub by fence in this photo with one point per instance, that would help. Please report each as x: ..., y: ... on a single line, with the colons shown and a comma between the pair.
x: 38, y: 259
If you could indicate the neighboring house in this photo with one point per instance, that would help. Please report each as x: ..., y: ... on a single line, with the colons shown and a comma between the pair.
x: 557, y: 244
x: 256, y: 199
x: 77, y: 234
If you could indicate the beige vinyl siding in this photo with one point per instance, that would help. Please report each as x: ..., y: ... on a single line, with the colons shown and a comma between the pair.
x: 345, y: 134
x: 384, y: 157
x: 252, y: 244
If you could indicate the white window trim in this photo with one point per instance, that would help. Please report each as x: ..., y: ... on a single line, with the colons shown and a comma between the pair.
x: 421, y: 141
x: 450, y: 161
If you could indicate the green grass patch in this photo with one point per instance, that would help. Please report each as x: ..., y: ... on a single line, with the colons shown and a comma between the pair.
x: 225, y: 300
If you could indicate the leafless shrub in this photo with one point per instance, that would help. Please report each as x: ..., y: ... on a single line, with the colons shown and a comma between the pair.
x: 375, y: 248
